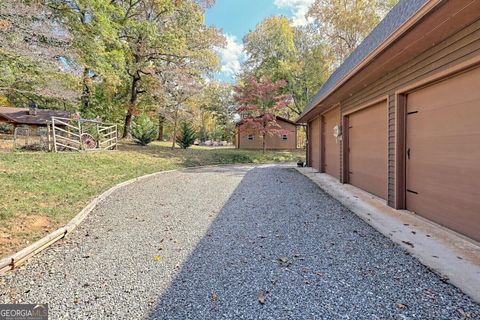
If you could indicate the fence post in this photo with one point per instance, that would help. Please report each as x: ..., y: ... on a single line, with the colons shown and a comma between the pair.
x: 80, y: 133
x: 54, y: 135
x: 49, y: 146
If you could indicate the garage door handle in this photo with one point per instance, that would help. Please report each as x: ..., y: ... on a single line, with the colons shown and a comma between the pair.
x: 408, y: 153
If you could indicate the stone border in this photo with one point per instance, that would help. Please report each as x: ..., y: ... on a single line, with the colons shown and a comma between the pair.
x: 11, y: 262
x: 453, y: 257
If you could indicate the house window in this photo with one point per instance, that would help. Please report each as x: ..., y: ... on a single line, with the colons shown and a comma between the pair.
x: 250, y: 137
x: 284, y: 137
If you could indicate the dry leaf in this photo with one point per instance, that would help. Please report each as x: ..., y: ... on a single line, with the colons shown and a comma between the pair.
x: 262, y: 297
x: 401, y: 306
x: 214, y: 297
x: 283, y: 259
x: 465, y: 314
x: 157, y: 258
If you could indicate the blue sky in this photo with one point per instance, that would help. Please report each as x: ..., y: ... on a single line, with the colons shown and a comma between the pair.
x: 238, y: 17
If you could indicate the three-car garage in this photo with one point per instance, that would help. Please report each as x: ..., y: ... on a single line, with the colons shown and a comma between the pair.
x: 400, y: 118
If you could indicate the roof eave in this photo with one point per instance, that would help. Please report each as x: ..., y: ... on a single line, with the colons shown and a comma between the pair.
x: 423, y: 11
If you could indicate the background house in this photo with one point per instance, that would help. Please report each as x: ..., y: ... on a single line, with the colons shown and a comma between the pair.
x: 399, y: 118
x: 31, y: 117
x: 26, y: 127
x: 246, y: 138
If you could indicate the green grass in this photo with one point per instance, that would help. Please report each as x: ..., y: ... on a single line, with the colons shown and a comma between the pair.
x: 54, y: 187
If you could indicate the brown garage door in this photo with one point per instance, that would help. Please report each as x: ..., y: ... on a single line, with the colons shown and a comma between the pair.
x: 315, y: 143
x: 332, y: 144
x: 443, y: 153
x: 368, y: 149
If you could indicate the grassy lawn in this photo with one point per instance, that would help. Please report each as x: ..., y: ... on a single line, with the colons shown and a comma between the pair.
x: 42, y: 191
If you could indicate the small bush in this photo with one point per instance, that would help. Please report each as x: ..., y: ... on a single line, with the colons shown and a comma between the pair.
x: 6, y: 128
x: 186, y: 137
x: 144, y: 130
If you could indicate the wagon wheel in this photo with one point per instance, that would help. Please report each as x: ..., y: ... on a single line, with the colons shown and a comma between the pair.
x: 88, y: 141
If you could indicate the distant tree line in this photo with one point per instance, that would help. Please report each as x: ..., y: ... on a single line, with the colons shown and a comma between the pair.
x: 119, y: 59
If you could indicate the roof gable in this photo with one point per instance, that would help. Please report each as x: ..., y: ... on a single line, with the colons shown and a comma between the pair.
x: 276, y: 118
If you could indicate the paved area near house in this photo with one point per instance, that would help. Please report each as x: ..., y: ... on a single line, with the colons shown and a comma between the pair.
x: 232, y: 242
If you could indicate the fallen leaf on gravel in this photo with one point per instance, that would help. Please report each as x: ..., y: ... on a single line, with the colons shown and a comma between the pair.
x: 465, y: 314
x: 262, y: 297
x: 283, y: 259
x: 401, y: 306
x: 214, y: 296
x: 157, y: 258
x: 408, y: 243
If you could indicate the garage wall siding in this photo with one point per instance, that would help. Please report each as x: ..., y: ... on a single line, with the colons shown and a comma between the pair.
x: 456, y: 49
x: 332, y: 145
x: 315, y: 143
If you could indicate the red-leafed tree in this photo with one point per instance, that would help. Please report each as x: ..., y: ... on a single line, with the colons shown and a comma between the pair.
x: 258, y: 103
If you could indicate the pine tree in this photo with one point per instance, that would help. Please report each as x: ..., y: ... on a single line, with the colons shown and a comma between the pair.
x: 187, y: 135
x: 144, y: 130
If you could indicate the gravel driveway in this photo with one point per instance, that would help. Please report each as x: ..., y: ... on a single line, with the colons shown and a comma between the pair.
x: 216, y: 243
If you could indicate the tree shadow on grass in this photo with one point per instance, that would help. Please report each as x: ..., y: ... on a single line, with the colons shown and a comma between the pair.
x: 281, y: 248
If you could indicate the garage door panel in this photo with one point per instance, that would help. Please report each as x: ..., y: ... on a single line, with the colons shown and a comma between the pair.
x: 332, y: 144
x: 443, y: 153
x: 368, y: 149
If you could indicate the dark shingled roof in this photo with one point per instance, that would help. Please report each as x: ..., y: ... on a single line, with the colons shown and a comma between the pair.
x: 278, y: 118
x: 399, y: 14
x: 22, y: 116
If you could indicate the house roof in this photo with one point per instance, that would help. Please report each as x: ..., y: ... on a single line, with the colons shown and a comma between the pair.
x: 22, y: 116
x: 277, y: 118
x: 399, y: 14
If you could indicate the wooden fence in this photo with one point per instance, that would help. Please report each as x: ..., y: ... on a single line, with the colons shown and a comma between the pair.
x: 82, y: 135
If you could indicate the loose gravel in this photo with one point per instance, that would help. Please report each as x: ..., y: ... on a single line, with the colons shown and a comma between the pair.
x: 232, y: 242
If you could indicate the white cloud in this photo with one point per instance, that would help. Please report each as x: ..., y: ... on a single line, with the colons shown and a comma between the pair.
x: 299, y: 9
x: 232, y: 56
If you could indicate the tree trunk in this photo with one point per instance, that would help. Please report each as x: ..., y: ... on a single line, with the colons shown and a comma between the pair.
x: 85, y: 99
x: 264, y: 144
x: 161, y: 122
x: 174, y: 136
x: 131, y: 107
x: 127, y: 125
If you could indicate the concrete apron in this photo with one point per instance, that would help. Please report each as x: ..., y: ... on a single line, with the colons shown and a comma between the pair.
x: 455, y: 258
